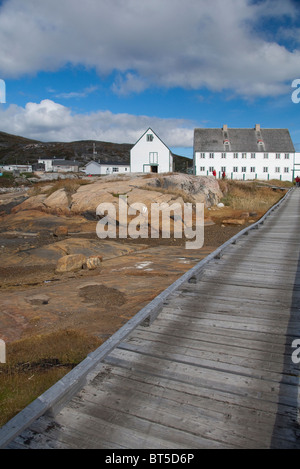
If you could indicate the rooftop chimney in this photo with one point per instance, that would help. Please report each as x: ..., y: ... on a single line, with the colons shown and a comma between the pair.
x: 225, y: 127
x: 257, y: 127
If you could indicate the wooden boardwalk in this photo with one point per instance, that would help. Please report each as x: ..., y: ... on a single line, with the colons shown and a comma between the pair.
x: 215, y: 368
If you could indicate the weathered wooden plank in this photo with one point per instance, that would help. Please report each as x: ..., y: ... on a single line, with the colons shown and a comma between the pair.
x: 200, y: 314
x: 202, y: 397
x: 216, y: 358
x: 219, y: 323
x: 198, y: 375
x: 133, y: 431
x: 264, y: 313
x: 231, y: 342
x: 179, y: 412
x: 176, y: 416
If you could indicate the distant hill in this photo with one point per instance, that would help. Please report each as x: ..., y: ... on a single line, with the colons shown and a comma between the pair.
x: 15, y: 149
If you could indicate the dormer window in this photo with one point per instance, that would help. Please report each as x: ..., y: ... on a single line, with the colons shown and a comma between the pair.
x: 226, y: 144
x: 149, y: 137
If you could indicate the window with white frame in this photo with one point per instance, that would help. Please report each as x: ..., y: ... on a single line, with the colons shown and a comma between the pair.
x: 265, y: 170
x: 253, y: 155
x: 150, y: 137
x: 211, y: 169
x: 235, y: 155
x: 211, y: 155
x: 244, y: 169
x: 223, y: 155
x: 202, y: 169
x: 252, y: 169
x: 202, y: 155
x: 235, y: 169
x: 286, y: 170
x: 277, y: 169
x: 115, y: 170
x: 153, y: 157
x: 244, y: 155
x: 277, y: 156
x: 266, y: 156
x: 223, y: 169
x: 286, y: 156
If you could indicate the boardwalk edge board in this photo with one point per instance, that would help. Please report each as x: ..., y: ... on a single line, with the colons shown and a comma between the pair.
x: 57, y: 396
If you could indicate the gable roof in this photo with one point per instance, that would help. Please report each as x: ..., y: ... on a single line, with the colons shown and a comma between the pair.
x: 243, y: 140
x: 149, y: 129
x: 57, y: 162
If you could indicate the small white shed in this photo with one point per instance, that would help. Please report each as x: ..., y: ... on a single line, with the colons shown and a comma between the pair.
x: 150, y: 155
x: 97, y: 168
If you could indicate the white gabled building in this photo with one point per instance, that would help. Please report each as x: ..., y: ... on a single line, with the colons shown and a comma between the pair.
x: 150, y: 155
x: 95, y: 168
x: 254, y: 153
x: 57, y: 165
x: 21, y: 168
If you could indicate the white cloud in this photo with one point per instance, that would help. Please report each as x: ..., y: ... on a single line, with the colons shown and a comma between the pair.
x: 75, y: 94
x: 170, y: 43
x: 50, y: 121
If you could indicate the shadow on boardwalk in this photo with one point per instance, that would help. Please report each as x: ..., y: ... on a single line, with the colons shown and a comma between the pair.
x: 284, y: 437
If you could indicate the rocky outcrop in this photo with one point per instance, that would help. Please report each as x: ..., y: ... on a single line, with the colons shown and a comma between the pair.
x: 203, y: 189
x: 93, y: 262
x: 61, y: 231
x: 70, y: 263
x: 166, y: 188
x: 58, y: 202
x: 76, y: 209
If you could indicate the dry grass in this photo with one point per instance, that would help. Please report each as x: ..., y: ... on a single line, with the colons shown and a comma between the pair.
x: 70, y: 186
x: 249, y: 196
x: 34, y: 364
x: 49, y: 187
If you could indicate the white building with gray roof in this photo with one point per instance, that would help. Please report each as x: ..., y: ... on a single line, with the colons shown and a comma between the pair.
x: 244, y: 154
x: 151, y: 155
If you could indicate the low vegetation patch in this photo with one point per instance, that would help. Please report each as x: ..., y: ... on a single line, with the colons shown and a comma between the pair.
x: 69, y: 185
x: 34, y: 364
x: 250, y: 196
x: 7, y: 180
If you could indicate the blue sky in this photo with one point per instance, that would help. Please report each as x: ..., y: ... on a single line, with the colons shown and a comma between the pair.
x: 109, y: 69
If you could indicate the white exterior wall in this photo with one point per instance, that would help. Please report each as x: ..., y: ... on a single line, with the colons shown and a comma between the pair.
x: 297, y: 164
x: 102, y: 169
x: 17, y: 167
x: 270, y: 167
x: 47, y: 163
x: 114, y: 169
x: 65, y: 169
x: 146, y: 154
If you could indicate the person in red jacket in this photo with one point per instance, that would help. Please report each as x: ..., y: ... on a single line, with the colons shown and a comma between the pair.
x: 214, y: 172
x: 297, y: 181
